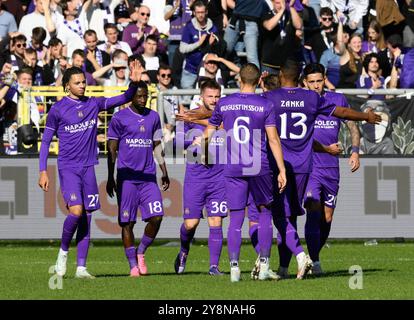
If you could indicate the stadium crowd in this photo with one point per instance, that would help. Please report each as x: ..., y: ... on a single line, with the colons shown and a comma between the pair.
x: 181, y: 43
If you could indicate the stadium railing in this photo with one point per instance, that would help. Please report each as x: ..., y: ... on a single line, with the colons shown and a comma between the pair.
x: 40, y: 95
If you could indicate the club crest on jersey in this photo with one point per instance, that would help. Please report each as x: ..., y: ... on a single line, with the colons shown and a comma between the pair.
x: 186, y: 211
x: 73, y: 197
x: 125, y: 213
x: 141, y: 128
x: 309, y: 194
x: 80, y: 114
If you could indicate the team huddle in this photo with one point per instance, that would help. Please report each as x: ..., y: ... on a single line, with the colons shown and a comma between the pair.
x: 272, y: 154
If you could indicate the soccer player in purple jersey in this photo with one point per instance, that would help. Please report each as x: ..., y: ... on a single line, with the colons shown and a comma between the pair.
x: 74, y: 120
x: 248, y: 118
x: 203, y: 183
x: 135, y: 138
x: 323, y: 185
x: 296, y: 112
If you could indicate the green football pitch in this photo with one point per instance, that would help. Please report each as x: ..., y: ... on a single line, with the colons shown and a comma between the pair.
x: 386, y: 272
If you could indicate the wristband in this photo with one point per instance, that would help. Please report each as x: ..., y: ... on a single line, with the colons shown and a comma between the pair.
x: 355, y: 149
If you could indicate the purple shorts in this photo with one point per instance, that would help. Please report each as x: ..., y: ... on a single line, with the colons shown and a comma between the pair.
x: 134, y: 195
x: 323, y: 186
x: 79, y: 187
x: 252, y: 210
x: 290, y: 202
x: 210, y: 195
x: 239, y: 188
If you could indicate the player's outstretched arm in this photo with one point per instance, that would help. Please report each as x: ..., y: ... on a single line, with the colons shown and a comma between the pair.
x: 355, y: 138
x: 159, y: 156
x: 349, y: 114
x: 276, y: 147
x: 112, y: 154
x: 333, y: 149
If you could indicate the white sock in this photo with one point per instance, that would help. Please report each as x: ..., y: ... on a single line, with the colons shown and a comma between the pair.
x: 63, y: 252
x: 80, y: 268
x: 300, y: 257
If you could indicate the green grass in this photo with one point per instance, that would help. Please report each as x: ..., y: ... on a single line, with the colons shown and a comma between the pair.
x: 387, y: 274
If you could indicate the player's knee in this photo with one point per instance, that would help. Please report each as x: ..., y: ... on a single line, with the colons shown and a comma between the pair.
x: 156, y: 221
x: 313, y: 206
x: 76, y: 210
x: 214, y: 221
x: 191, y: 224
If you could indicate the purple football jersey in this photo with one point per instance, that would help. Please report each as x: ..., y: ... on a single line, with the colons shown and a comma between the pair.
x: 196, y: 171
x: 327, y: 130
x: 75, y: 124
x: 136, y: 134
x: 245, y: 117
x: 296, y: 112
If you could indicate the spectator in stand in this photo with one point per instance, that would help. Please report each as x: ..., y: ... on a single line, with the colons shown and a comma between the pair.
x: 100, y: 13
x: 112, y: 43
x: 71, y: 29
x: 15, y: 8
x: 119, y: 72
x: 38, y: 38
x: 245, y: 22
x: 217, y: 68
x: 331, y: 59
x: 41, y: 72
x: 7, y: 24
x: 157, y: 17
x: 375, y: 42
x: 135, y: 34
x: 178, y: 12
x: 217, y: 12
x: 15, y: 55
x: 55, y: 58
x: 371, y: 77
x: 78, y: 60
x: 351, y: 63
x: 41, y: 17
x: 95, y: 58
x: 279, y: 40
x: 171, y: 103
x: 321, y: 39
x: 199, y: 37
x: 350, y: 11
x: 152, y: 61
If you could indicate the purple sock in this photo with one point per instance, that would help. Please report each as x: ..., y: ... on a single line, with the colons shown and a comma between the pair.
x: 288, y: 237
x: 144, y: 244
x: 325, y: 229
x: 253, y: 237
x: 131, y: 256
x: 83, y: 238
x: 69, y: 228
x: 313, y: 234
x: 186, y: 237
x: 265, y: 232
x: 215, y: 243
x: 234, y: 234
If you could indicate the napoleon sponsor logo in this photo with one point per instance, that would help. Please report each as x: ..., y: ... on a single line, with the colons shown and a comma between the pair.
x: 140, y: 143
x: 78, y: 127
x: 292, y: 104
x: 326, y: 124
